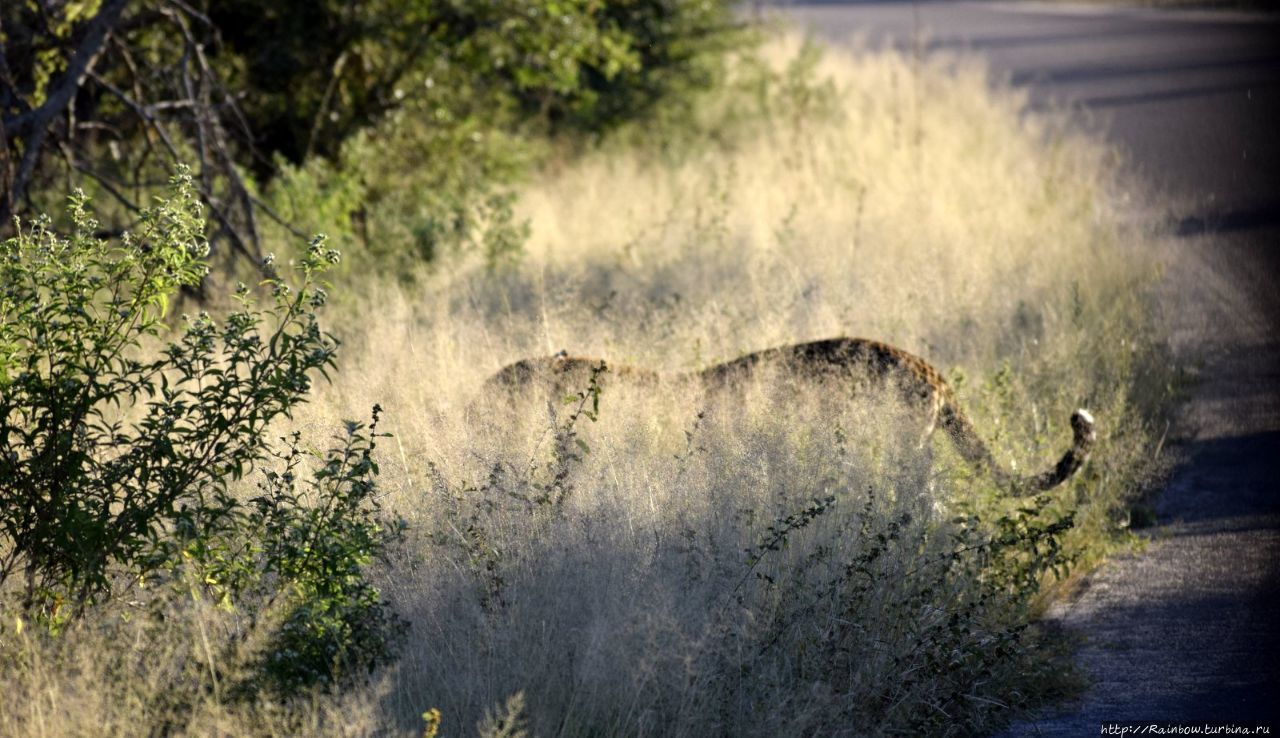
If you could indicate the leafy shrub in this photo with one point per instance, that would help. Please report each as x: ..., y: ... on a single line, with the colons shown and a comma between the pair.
x: 314, y: 545
x: 83, y: 485
x: 102, y: 452
x: 508, y: 83
x: 115, y: 469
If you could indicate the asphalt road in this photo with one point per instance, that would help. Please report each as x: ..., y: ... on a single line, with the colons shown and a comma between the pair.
x: 1189, y: 630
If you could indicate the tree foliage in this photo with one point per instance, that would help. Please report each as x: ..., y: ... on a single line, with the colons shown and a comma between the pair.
x: 119, y: 93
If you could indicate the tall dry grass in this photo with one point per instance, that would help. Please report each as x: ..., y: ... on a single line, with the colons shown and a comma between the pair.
x: 792, y: 561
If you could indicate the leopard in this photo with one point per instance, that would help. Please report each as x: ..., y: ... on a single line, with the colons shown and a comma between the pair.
x: 921, y: 387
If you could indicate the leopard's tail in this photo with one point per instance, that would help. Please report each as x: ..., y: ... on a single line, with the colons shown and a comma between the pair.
x: 970, y: 446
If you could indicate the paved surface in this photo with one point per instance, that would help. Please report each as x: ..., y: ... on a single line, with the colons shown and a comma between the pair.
x: 1189, y: 630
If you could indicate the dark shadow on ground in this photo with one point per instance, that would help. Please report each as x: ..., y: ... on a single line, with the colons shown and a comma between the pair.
x: 1226, y: 479
x: 1229, y: 221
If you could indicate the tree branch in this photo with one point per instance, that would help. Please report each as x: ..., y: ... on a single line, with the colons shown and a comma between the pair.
x: 33, y: 125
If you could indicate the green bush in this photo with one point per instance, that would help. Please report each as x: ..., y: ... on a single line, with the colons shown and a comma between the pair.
x: 318, y: 73
x: 114, y: 469
x: 312, y: 546
x: 508, y: 83
x: 85, y: 482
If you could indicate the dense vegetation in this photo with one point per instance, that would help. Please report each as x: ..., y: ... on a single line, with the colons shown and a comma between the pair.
x: 182, y: 552
x: 114, y: 95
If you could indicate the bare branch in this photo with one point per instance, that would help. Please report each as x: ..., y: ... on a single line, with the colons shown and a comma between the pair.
x: 111, y: 187
x: 141, y: 111
x: 33, y: 125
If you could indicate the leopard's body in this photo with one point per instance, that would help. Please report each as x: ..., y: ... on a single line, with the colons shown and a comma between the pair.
x: 919, y: 384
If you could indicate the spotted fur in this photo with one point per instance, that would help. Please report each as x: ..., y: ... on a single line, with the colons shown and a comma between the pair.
x: 921, y: 386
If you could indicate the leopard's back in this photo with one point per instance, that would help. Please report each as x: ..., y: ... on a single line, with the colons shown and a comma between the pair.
x: 919, y: 385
